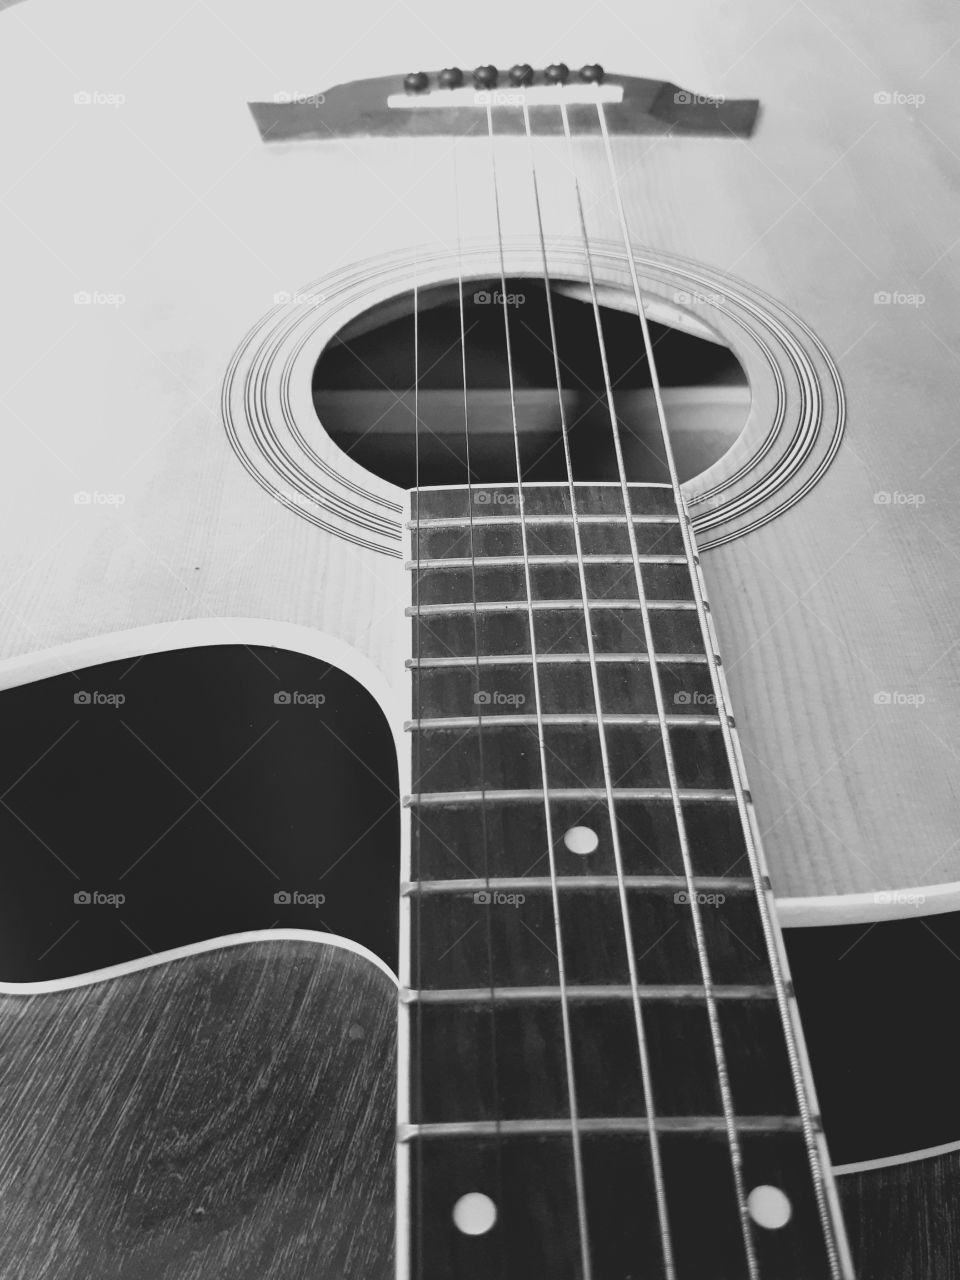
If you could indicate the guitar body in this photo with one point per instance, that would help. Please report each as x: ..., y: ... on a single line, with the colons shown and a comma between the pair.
x: 229, y: 1109
x: 227, y: 1113
x: 255, y: 1133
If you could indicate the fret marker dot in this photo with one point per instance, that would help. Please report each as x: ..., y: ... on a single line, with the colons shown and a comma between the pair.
x: 474, y: 1214
x: 769, y: 1207
x: 582, y: 840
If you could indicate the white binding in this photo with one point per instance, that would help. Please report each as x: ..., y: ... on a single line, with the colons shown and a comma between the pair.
x: 888, y: 1162
x: 869, y: 908
x: 194, y: 949
x: 194, y: 633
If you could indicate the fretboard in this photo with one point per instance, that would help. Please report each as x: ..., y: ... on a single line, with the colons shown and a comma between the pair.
x: 598, y: 1047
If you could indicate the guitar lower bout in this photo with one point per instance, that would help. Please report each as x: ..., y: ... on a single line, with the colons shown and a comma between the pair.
x: 224, y: 1109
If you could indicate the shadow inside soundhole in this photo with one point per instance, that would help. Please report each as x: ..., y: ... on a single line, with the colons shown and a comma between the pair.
x: 363, y: 388
x: 161, y: 801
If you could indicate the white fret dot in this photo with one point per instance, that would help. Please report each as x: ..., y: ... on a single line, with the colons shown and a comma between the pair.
x: 474, y: 1214
x: 582, y: 840
x: 769, y: 1207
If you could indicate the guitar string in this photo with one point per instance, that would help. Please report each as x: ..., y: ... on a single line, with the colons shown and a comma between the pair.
x: 415, y: 940
x: 834, y: 1244
x: 726, y: 1096
x: 585, y: 1257
x: 488, y: 921
x: 666, y: 1241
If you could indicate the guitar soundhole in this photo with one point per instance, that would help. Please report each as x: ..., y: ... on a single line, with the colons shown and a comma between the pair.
x: 363, y: 387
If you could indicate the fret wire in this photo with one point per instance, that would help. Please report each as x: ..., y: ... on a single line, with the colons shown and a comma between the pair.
x: 736, y: 1157
x: 585, y: 1258
x: 568, y: 793
x: 840, y: 1260
x: 464, y: 562
x: 646, y: 1074
x: 602, y: 1124
x: 733, y: 884
x: 552, y: 484
x: 457, y: 522
x: 679, y: 991
x: 560, y: 717
x: 522, y: 659
x: 514, y: 606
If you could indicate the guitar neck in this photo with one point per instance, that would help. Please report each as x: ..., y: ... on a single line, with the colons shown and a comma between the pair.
x: 600, y: 1060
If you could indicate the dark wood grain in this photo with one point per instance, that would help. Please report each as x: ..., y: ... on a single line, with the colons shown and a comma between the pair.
x: 226, y: 1115
x: 903, y: 1221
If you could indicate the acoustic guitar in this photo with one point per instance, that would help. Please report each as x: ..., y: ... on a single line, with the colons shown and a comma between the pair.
x: 479, y: 650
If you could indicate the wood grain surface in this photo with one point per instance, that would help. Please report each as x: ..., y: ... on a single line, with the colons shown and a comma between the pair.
x: 902, y: 1221
x: 229, y: 1115
x: 198, y: 224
